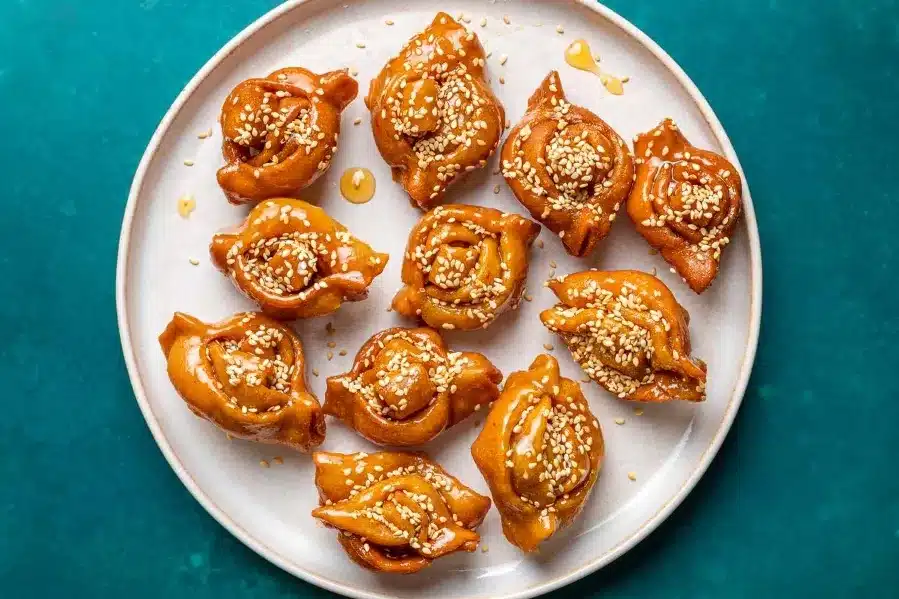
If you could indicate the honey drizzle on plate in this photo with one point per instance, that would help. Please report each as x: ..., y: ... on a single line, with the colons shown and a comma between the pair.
x: 579, y: 56
x: 357, y: 185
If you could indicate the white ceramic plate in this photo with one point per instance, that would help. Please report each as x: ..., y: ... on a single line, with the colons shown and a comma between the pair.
x: 668, y: 448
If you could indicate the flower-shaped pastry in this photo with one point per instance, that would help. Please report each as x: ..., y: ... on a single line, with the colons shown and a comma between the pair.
x: 567, y: 167
x: 628, y: 333
x: 295, y: 261
x: 396, y: 512
x: 247, y: 375
x: 433, y: 115
x: 280, y: 132
x: 464, y: 265
x: 405, y: 388
x: 685, y: 202
x: 540, y: 452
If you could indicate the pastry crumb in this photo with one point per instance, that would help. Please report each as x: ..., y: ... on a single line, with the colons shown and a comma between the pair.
x: 638, y: 411
x: 186, y: 205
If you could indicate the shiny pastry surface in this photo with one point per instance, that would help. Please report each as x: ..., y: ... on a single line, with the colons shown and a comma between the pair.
x: 540, y: 452
x: 295, y: 261
x: 685, y: 202
x: 465, y: 265
x: 567, y: 167
x: 280, y: 132
x: 405, y: 387
x: 246, y: 375
x: 628, y: 333
x: 396, y: 512
x: 434, y: 117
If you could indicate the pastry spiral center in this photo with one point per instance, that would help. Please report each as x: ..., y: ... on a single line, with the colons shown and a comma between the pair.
x: 284, y: 265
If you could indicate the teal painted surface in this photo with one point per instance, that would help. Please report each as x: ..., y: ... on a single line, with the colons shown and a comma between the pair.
x: 803, y: 500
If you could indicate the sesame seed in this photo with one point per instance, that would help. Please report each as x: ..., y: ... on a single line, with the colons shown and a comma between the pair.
x: 484, y: 548
x: 278, y: 459
x: 483, y: 21
x: 503, y: 59
x: 638, y: 411
x: 632, y: 475
x: 388, y: 22
x: 229, y: 437
x: 204, y: 134
x: 506, y: 19
x: 188, y: 163
x: 502, y: 80
x: 357, y: 121
x: 559, y: 29
x: 194, y: 261
x: 342, y: 352
x: 360, y: 44
x: 548, y: 346
x: 264, y: 463
x: 539, y: 243
x: 315, y: 372
x: 496, y: 189
x: 619, y: 421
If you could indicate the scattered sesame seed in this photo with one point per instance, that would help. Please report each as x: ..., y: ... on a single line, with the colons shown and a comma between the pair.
x: 194, y: 261
x: 502, y: 80
x: 330, y: 356
x: 354, y: 71
x: 506, y: 19
x: 388, y: 22
x: 503, y: 59
x: 619, y: 421
x: 329, y: 328
x: 548, y: 346
x: 528, y: 297
x: 204, y: 134
x: 483, y: 21
x: 186, y: 205
x: 632, y: 475
x: 496, y: 189
x: 552, y: 264
x: 278, y: 459
x: 360, y: 44
x: 229, y: 437
x: 315, y: 372
x: 358, y: 121
x: 539, y: 243
x: 484, y: 548
x: 332, y: 344
x: 264, y: 463
x: 559, y: 29
x: 638, y: 411
x: 341, y: 352
x: 188, y: 163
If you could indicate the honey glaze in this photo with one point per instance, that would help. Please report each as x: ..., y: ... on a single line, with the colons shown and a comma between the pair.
x: 579, y: 56
x: 357, y: 185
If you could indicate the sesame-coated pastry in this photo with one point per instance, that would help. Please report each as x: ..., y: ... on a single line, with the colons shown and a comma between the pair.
x: 295, y: 261
x: 540, y: 452
x: 685, y: 202
x: 465, y: 265
x: 405, y: 387
x: 280, y: 132
x: 433, y: 115
x: 628, y: 333
x: 246, y: 375
x: 567, y: 167
x: 396, y: 512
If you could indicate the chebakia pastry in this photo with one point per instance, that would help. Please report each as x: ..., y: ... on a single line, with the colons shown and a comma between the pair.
x: 405, y: 387
x: 628, y: 333
x: 685, y: 202
x: 465, y: 265
x: 540, y: 452
x: 433, y: 115
x: 567, y: 167
x: 295, y: 261
x: 280, y: 132
x: 394, y: 511
x: 246, y: 375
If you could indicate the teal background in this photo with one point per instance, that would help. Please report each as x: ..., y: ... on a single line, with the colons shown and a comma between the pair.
x: 803, y: 500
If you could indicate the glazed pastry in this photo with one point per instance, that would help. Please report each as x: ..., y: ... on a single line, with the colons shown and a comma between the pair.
x: 685, y: 202
x: 405, y: 388
x: 465, y: 265
x: 540, y: 452
x: 628, y: 333
x: 433, y: 115
x: 567, y: 167
x: 280, y: 132
x: 246, y: 375
x: 396, y: 512
x: 295, y: 261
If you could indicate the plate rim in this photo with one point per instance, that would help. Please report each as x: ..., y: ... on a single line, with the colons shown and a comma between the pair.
x: 270, y: 554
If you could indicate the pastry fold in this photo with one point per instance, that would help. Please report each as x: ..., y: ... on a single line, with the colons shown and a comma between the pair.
x: 568, y: 167
x: 685, y: 202
x: 464, y: 266
x: 628, y: 333
x: 246, y: 375
x: 280, y: 132
x: 434, y: 117
x: 405, y: 387
x: 396, y: 512
x: 540, y: 452
x: 295, y: 261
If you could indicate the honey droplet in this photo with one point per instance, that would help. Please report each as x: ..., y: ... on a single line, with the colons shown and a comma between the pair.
x: 579, y: 56
x: 186, y: 205
x: 357, y: 185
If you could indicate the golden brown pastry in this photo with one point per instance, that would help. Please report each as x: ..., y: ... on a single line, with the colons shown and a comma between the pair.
x: 433, y: 115
x: 540, y: 452
x: 405, y: 388
x: 628, y: 333
x: 246, y: 375
x: 295, y: 261
x: 465, y: 265
x: 567, y: 167
x: 685, y: 202
x: 280, y: 132
x: 395, y: 511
